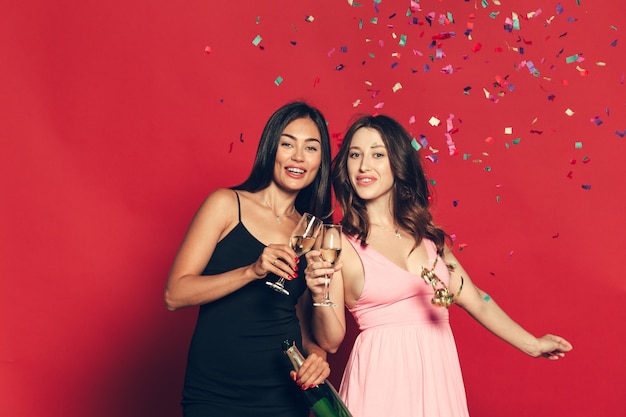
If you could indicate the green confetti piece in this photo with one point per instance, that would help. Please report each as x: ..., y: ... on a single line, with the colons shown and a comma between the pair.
x: 497, y: 199
x: 416, y: 144
x: 488, y: 169
x: 258, y: 19
x: 450, y: 18
x: 256, y: 41
x: 374, y: 20
x: 484, y: 3
x: 487, y: 297
x: 433, y: 182
x: 408, y: 12
x: 278, y: 80
x: 360, y: 23
x: 493, y: 15
x: 402, y: 40
x: 571, y: 58
x: 372, y: 55
x: 578, y: 145
x: 516, y: 141
x: 466, y: 156
x: 506, y: 145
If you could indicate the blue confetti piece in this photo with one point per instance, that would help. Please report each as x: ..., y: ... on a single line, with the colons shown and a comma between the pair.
x: 586, y: 186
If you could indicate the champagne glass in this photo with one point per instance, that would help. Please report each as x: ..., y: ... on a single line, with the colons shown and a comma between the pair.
x: 302, y: 240
x: 330, y: 249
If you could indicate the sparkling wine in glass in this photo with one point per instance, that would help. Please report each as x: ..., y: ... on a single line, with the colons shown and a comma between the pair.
x: 330, y: 249
x: 302, y: 240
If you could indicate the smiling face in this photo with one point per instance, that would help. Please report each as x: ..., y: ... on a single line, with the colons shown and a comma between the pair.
x: 298, y: 156
x: 368, y: 165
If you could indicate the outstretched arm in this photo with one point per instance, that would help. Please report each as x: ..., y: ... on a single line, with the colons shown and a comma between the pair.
x: 488, y: 313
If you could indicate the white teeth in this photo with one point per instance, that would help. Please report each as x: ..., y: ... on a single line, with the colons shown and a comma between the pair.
x: 296, y: 170
x: 365, y: 180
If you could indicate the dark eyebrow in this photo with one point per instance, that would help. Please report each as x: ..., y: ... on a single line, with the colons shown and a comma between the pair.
x: 307, y: 140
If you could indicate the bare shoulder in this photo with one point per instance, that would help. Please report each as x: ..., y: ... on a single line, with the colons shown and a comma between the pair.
x: 220, y: 207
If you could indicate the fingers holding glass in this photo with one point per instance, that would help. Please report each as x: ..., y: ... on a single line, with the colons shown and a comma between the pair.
x: 301, y: 241
x: 330, y: 249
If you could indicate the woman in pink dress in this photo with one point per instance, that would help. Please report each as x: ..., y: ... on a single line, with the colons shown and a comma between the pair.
x: 397, y: 277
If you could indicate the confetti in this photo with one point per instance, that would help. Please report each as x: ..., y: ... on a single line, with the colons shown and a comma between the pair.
x: 434, y: 121
x: 278, y: 80
x: 257, y: 40
x: 208, y: 50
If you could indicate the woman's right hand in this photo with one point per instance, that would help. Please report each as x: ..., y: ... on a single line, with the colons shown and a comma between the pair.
x: 277, y: 259
x: 316, y: 272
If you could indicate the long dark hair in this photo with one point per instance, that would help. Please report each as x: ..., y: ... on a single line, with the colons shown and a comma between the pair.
x: 314, y: 198
x: 411, y: 194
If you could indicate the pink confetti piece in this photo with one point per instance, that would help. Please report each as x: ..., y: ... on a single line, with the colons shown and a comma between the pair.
x: 208, y: 50
x: 450, y: 129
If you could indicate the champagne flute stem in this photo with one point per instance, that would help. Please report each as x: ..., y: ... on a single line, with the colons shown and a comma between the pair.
x: 326, y: 283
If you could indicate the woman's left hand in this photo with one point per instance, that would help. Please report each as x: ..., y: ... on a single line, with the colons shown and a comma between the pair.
x: 553, y: 347
x: 313, y: 372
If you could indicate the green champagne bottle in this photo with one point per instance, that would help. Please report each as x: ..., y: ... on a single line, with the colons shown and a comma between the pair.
x: 323, y: 399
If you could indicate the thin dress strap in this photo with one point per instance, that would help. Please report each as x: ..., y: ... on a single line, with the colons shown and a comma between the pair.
x: 238, y: 206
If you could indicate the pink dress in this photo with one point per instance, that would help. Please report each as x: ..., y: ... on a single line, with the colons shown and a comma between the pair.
x: 404, y: 362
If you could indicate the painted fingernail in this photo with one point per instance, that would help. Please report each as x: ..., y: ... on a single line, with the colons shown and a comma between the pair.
x: 295, y: 268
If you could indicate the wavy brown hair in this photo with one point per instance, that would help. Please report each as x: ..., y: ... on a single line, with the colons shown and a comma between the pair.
x: 411, y: 193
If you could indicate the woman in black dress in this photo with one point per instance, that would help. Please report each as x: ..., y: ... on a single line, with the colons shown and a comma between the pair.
x: 237, y: 240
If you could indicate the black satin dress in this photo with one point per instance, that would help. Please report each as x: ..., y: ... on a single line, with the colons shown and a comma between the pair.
x: 236, y: 366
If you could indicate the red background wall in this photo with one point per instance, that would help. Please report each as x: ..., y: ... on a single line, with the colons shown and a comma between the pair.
x: 117, y: 121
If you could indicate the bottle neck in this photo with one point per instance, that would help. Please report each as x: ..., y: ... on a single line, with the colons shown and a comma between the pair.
x: 295, y: 356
